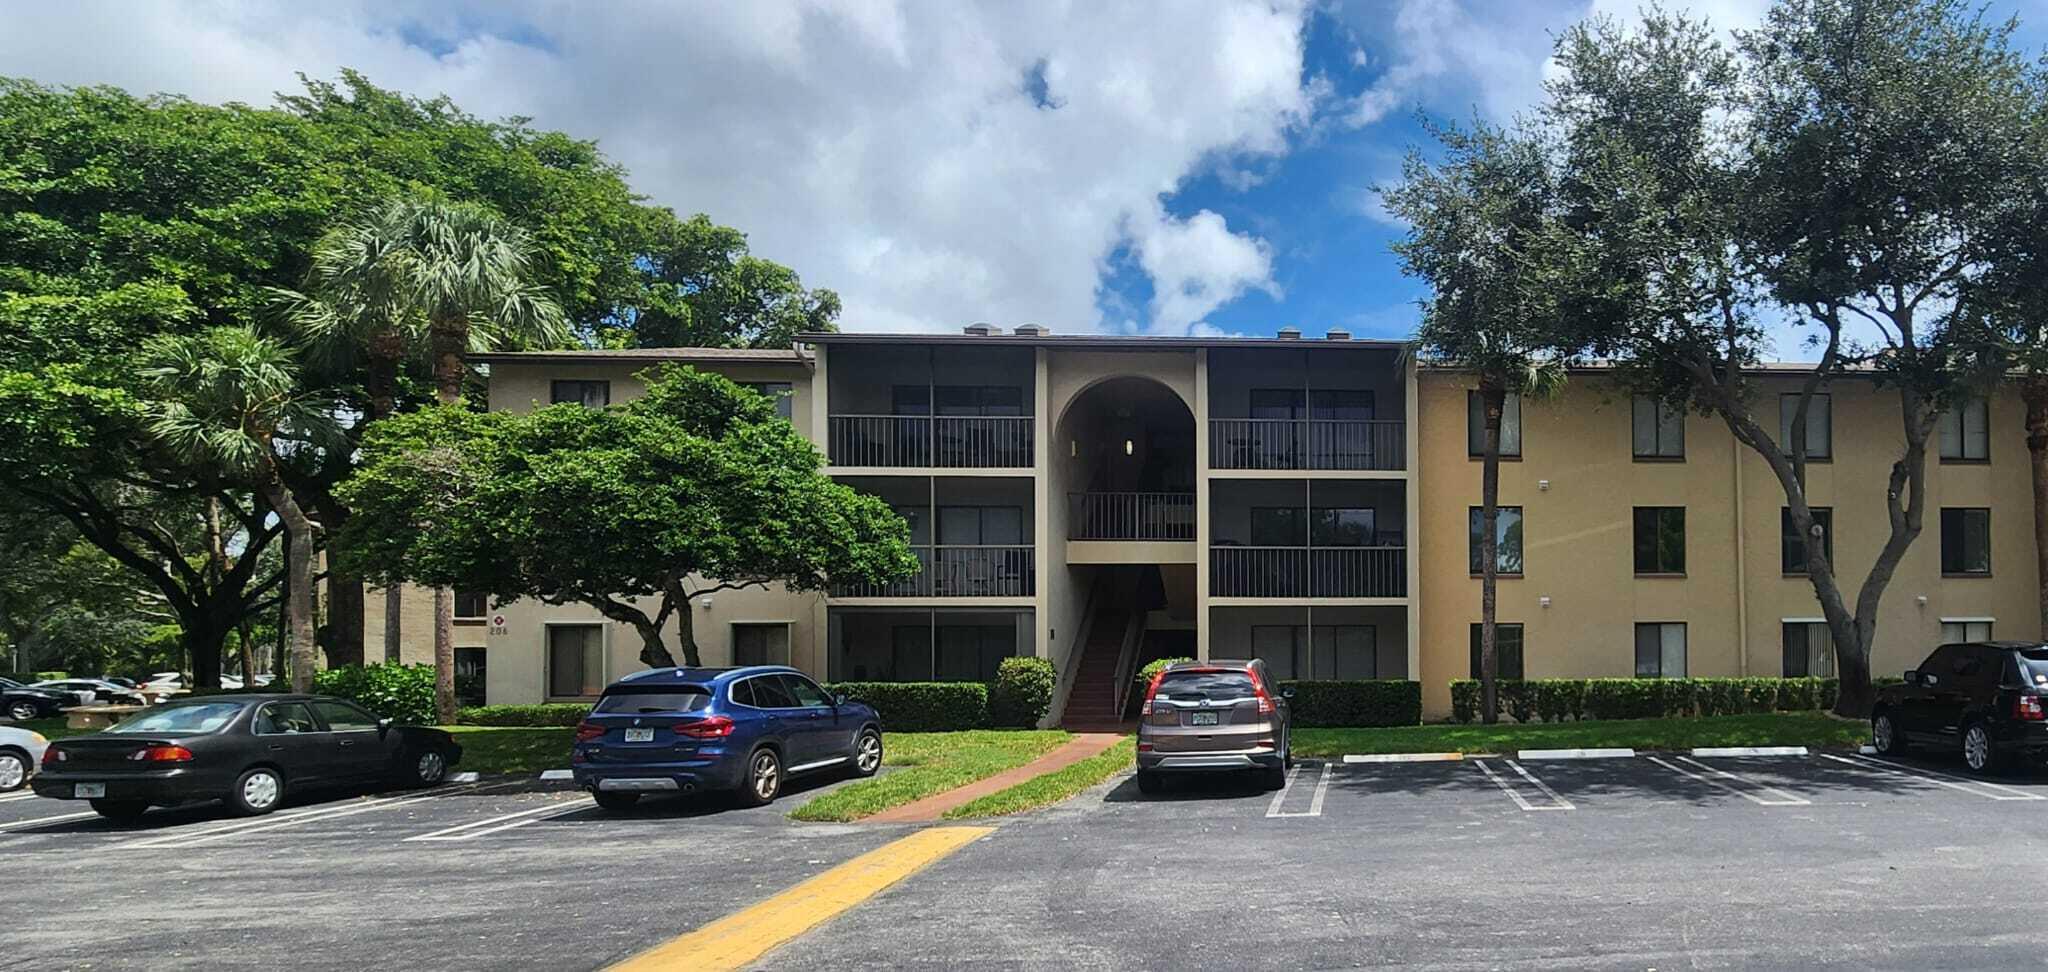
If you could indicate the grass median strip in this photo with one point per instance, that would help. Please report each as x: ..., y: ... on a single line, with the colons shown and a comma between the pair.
x: 928, y: 763
x: 494, y: 749
x: 1053, y: 787
x: 1814, y: 729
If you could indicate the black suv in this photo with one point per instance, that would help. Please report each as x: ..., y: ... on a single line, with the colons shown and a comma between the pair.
x: 1990, y: 698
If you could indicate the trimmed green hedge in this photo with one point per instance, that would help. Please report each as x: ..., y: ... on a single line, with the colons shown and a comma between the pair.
x: 552, y: 714
x: 1559, y: 699
x: 922, y: 706
x: 1022, y: 692
x: 1379, y: 702
x: 401, y: 693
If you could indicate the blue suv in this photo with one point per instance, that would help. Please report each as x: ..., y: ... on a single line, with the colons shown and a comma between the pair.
x: 744, y: 730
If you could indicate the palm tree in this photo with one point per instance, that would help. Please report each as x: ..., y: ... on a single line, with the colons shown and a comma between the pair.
x: 455, y: 274
x: 231, y: 397
x: 1483, y: 230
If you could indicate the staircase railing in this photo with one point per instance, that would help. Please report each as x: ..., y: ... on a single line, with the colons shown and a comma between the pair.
x: 1127, y: 662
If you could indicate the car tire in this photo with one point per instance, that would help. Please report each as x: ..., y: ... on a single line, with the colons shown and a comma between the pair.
x: 867, y: 753
x: 763, y: 780
x: 616, y: 802
x: 120, y: 811
x: 256, y: 792
x: 15, y: 770
x: 1979, y: 753
x: 426, y: 768
x: 1150, y: 782
x: 1885, y: 736
x: 23, y: 711
x: 1276, y: 778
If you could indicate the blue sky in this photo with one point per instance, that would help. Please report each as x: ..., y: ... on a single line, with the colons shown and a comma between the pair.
x: 1143, y: 167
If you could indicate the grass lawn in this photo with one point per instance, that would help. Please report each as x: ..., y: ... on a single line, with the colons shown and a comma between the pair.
x: 1053, y: 787
x: 495, y: 749
x: 1814, y: 729
x: 931, y: 762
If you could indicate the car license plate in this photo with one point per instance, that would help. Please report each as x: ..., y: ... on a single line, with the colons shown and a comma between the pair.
x: 1201, y: 718
x: 639, y: 735
x: 88, y: 791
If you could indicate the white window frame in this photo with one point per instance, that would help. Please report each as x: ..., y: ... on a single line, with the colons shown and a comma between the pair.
x: 1990, y: 626
x: 1956, y: 440
x: 1666, y: 430
x: 1822, y: 411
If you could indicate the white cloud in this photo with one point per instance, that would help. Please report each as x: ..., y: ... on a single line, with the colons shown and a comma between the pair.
x: 890, y: 151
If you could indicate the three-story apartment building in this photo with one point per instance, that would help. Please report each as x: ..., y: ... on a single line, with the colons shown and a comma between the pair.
x: 1100, y: 501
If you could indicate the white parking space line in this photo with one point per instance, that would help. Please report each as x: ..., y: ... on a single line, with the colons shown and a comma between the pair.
x: 1781, y: 798
x: 16, y: 826
x: 1315, y: 803
x: 1560, y: 803
x: 266, y: 824
x: 483, y: 828
x: 1406, y: 758
x: 1962, y: 783
x: 1711, y: 752
x: 1575, y: 754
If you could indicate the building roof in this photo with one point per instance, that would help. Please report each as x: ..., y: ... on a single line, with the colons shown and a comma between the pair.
x: 784, y: 356
x: 1092, y: 342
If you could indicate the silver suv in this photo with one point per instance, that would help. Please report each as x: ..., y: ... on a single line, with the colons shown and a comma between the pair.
x: 1214, y: 716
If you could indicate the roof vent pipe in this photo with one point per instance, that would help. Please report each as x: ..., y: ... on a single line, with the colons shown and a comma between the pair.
x: 1290, y: 334
x: 981, y: 329
x: 1338, y: 334
x: 1032, y: 330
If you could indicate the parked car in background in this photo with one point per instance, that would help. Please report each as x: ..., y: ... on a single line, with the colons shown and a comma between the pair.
x: 1214, y: 716
x: 1987, y: 701
x: 248, y: 751
x: 21, y: 703
x: 739, y: 730
x: 164, y: 682
x: 126, y: 683
x: 21, y: 751
x: 92, y: 691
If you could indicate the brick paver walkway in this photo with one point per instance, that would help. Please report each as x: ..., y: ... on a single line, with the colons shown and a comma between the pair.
x: 1082, y: 746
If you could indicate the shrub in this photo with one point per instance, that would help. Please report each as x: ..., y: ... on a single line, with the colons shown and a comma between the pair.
x: 922, y: 706
x: 1464, y: 700
x: 551, y: 714
x: 1556, y: 699
x: 401, y: 693
x: 1379, y: 702
x: 1022, y: 692
x: 1145, y: 674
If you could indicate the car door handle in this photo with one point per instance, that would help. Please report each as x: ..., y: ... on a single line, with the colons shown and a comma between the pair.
x: 347, y: 743
x: 274, y: 747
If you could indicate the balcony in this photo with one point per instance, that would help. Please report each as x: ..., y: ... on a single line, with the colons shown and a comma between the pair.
x: 1348, y: 444
x: 1377, y: 571
x: 959, y: 571
x: 1131, y: 516
x: 943, y: 441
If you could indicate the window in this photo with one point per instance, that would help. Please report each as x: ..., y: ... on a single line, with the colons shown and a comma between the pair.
x: 1660, y: 650
x: 1955, y: 631
x: 285, y: 719
x: 1659, y: 430
x: 971, y: 652
x: 1966, y: 431
x: 1508, y: 530
x: 760, y: 644
x: 769, y: 692
x: 1507, y: 650
x: 1278, y: 526
x: 806, y: 692
x: 343, y: 717
x: 979, y: 400
x: 1343, y: 527
x: 469, y: 675
x: 1276, y: 403
x: 589, y: 394
x: 910, y: 651
x: 1660, y: 539
x: 1340, y: 404
x: 1809, y: 650
x: 981, y: 525
x: 575, y: 660
x: 656, y: 699
x: 910, y: 400
x: 1510, y: 426
x: 1792, y: 546
x: 1280, y: 647
x: 471, y: 605
x: 1820, y: 437
x: 781, y: 392
x: 1327, y: 651
x: 1965, y: 540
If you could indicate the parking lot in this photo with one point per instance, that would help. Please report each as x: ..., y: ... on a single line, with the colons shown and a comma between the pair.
x: 1656, y: 860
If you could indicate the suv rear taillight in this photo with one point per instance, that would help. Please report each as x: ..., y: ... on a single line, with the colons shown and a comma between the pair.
x: 1266, y: 706
x: 1151, y: 691
x: 589, y: 732
x: 163, y: 753
x: 52, y: 756
x: 709, y: 727
x: 2027, y: 708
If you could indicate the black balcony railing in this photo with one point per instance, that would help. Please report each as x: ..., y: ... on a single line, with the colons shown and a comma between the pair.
x: 952, y: 441
x: 1131, y: 516
x: 1308, y: 572
x: 1248, y: 443
x: 959, y: 571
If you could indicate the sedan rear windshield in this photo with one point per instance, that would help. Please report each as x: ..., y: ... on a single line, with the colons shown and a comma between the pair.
x: 2034, y: 665
x: 650, y: 701
x: 1205, y: 686
x: 199, y: 717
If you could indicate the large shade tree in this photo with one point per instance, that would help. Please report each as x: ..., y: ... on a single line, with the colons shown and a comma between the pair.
x: 634, y: 510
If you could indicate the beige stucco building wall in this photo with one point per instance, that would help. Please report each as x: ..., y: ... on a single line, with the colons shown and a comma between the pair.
x: 1578, y: 484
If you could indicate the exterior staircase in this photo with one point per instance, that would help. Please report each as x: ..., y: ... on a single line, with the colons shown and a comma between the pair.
x: 1091, y: 705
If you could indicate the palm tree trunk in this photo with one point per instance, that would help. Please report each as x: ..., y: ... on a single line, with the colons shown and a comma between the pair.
x: 1493, y: 400
x: 2035, y: 393
x: 386, y: 348
x: 298, y: 613
x: 450, y: 341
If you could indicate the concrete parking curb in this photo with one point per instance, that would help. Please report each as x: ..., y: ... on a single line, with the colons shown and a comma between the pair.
x: 1576, y: 754
x: 557, y: 774
x: 1406, y: 758
x: 1750, y: 751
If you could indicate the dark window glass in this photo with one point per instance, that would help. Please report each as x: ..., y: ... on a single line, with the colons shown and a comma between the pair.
x: 770, y: 693
x: 285, y: 719
x: 644, y: 701
x: 471, y: 604
x: 1508, y: 529
x: 981, y: 525
x: 760, y: 644
x: 971, y: 652
x: 1345, y: 527
x: 1659, y: 430
x: 1965, y: 540
x: 1792, y: 546
x: 1510, y: 426
x: 471, y: 666
x: 343, y: 717
x: 910, y: 400
x: 1660, y: 539
x: 805, y: 692
x: 174, y: 718
x: 910, y: 651
x: 1660, y: 650
x: 1966, y: 430
x: 589, y: 394
x: 1507, y: 650
x: 1820, y: 425
x: 781, y: 392
x: 1196, y: 686
x: 1340, y: 404
x: 742, y: 692
x: 1276, y: 403
x: 1809, y: 650
x: 1277, y: 526
x: 965, y: 400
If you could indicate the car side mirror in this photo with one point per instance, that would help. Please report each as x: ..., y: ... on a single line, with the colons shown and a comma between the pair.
x: 1912, y: 676
x: 1287, y: 693
x: 838, y: 700
x: 384, y: 724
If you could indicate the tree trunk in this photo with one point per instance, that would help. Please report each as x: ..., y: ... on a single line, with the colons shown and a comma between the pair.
x: 298, y: 615
x: 394, y: 602
x: 653, y: 653
x: 1493, y: 399
x: 344, y: 617
x: 203, y: 641
x: 346, y: 597
x: 450, y: 339
x: 686, y: 636
x: 2035, y: 392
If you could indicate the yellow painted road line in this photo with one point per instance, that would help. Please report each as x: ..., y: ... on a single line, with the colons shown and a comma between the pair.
x: 740, y: 938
